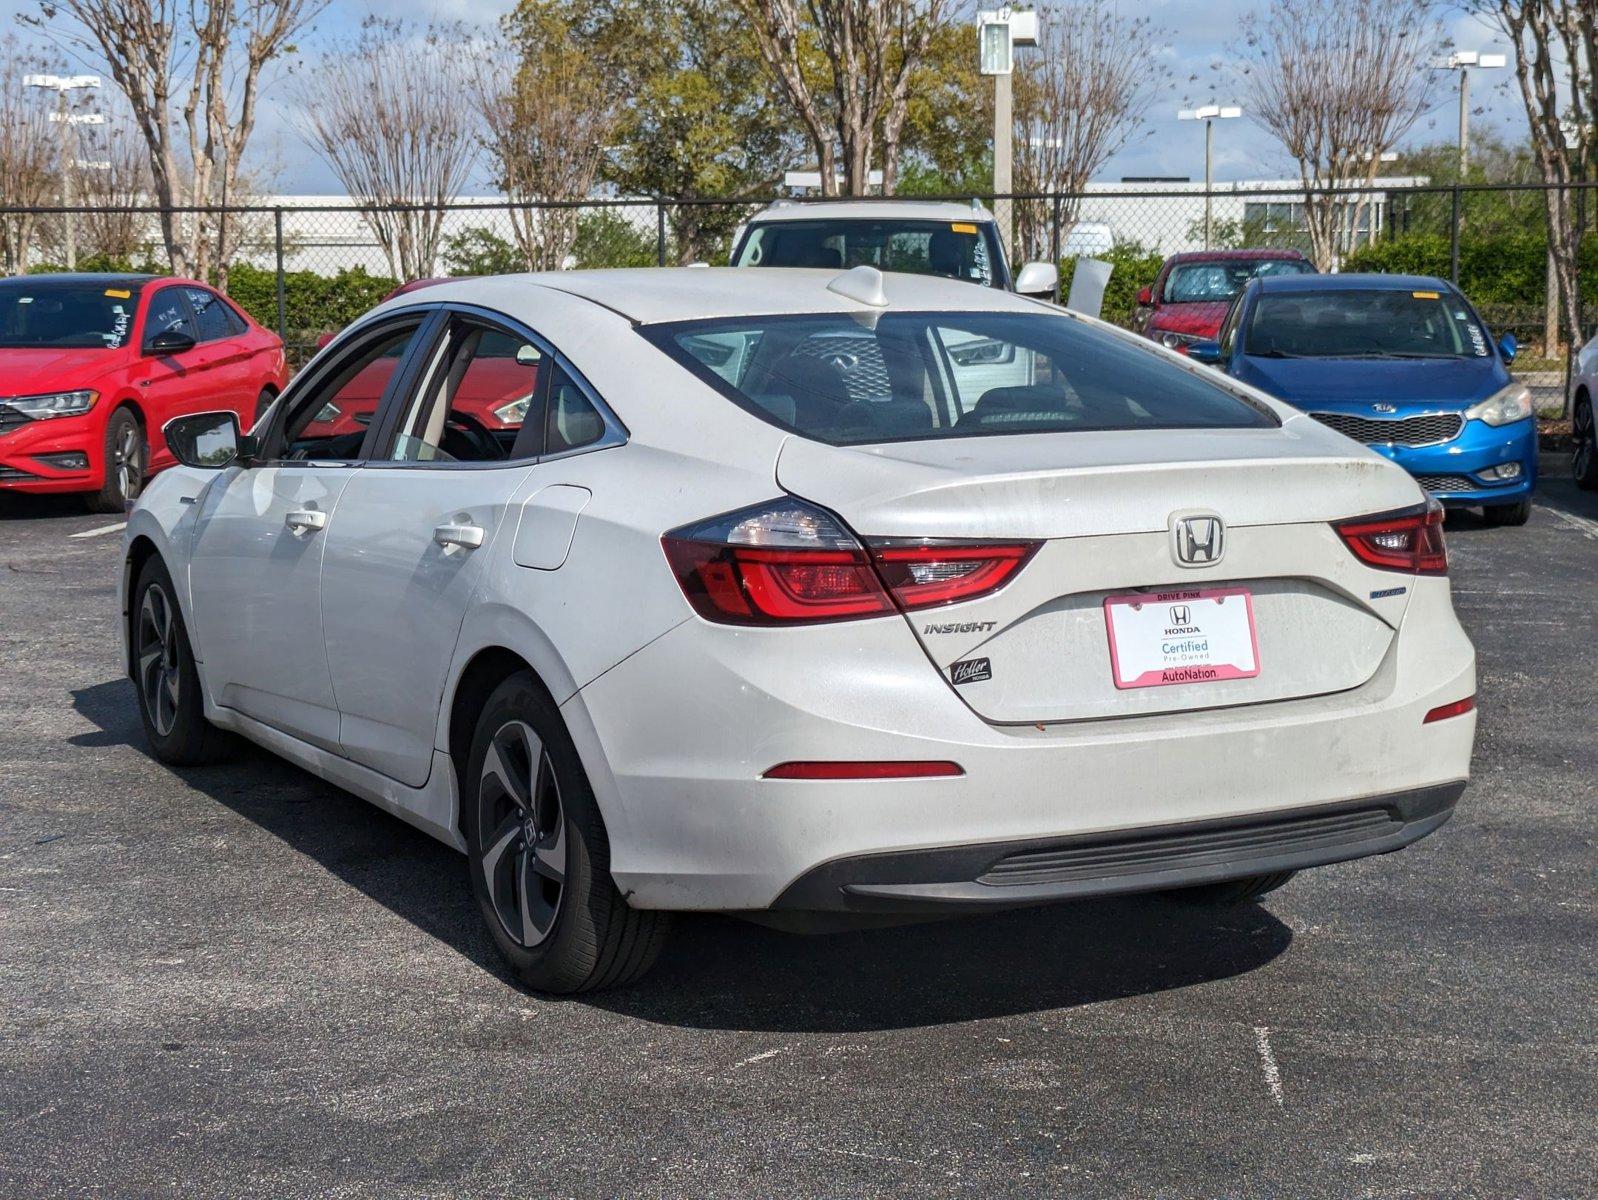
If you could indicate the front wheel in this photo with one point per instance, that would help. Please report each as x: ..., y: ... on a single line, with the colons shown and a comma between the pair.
x: 1584, y: 458
x: 171, y: 707
x: 1233, y: 891
x: 1517, y: 513
x: 125, y: 459
x: 539, y: 854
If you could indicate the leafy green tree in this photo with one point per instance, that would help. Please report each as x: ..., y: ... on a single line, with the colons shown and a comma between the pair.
x: 480, y: 251
x: 607, y: 237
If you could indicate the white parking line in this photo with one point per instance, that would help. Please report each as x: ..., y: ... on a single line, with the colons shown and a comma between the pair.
x: 101, y: 531
x: 1581, y: 525
x: 1273, y: 1074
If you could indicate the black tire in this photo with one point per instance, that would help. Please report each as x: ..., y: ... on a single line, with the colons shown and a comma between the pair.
x: 127, y: 457
x: 1584, y: 456
x: 170, y: 704
x: 262, y: 403
x: 1233, y: 891
x: 1517, y: 513
x: 539, y: 857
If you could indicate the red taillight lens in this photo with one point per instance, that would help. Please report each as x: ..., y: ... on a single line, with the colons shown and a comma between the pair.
x: 864, y: 770
x: 788, y: 562
x: 745, y: 585
x: 1410, y: 541
x: 1457, y: 709
x: 927, y: 574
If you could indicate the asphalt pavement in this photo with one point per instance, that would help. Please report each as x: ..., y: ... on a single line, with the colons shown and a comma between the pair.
x: 239, y: 981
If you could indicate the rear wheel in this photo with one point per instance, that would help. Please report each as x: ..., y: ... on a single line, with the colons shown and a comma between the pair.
x: 170, y: 705
x: 539, y: 854
x: 1517, y: 513
x: 1233, y: 891
x: 1584, y: 459
x: 125, y: 458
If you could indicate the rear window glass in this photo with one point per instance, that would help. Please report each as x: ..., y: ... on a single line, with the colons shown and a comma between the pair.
x: 910, y: 376
x: 954, y: 249
x: 1366, y: 323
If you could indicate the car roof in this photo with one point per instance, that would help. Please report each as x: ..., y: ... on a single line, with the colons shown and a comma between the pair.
x: 1351, y: 283
x: 92, y: 278
x: 1187, y: 256
x: 885, y: 210
x: 651, y: 295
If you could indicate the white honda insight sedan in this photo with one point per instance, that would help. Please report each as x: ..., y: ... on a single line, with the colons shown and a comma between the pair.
x: 816, y: 597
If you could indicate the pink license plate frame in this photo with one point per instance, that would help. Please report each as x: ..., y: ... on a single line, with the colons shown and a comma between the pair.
x: 1176, y: 675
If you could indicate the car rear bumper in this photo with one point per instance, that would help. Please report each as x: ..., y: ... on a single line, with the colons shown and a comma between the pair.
x: 1454, y: 471
x: 677, y: 737
x: 1010, y: 874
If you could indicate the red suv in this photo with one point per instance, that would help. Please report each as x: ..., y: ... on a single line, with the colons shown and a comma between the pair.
x: 92, y: 367
x: 1192, y: 292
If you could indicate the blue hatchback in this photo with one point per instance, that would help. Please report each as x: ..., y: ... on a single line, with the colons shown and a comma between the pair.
x: 1402, y: 363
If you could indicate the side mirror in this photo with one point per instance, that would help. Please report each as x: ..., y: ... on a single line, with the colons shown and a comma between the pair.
x: 209, y: 440
x: 1145, y: 297
x: 1038, y: 279
x: 168, y: 342
x: 1508, y: 347
x: 1205, y: 352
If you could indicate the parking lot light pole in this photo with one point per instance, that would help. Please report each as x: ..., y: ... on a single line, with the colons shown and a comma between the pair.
x: 69, y: 121
x: 1464, y: 61
x: 998, y: 33
x: 1209, y: 114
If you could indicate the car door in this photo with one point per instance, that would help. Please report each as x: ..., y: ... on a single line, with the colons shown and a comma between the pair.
x: 416, y: 527
x: 230, y: 381
x: 170, y: 384
x: 256, y: 558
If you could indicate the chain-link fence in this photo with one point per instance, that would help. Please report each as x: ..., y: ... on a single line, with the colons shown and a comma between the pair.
x: 306, y: 267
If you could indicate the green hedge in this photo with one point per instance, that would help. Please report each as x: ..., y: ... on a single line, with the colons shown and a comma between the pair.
x: 313, y: 304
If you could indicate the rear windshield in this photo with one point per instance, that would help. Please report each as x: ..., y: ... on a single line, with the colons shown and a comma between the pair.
x: 72, y: 315
x: 954, y: 249
x: 1369, y: 323
x: 1219, y: 281
x: 912, y: 376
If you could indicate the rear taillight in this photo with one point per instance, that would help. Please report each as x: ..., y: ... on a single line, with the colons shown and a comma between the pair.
x: 788, y: 562
x: 1410, y: 541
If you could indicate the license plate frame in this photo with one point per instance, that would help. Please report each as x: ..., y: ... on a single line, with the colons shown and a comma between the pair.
x: 1211, y: 645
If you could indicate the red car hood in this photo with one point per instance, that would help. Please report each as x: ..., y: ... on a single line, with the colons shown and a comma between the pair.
x: 31, y: 372
x: 1202, y: 317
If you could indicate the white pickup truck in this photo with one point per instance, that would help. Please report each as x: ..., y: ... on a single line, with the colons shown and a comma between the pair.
x: 925, y: 238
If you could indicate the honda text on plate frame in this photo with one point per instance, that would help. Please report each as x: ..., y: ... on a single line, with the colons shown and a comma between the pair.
x: 870, y: 594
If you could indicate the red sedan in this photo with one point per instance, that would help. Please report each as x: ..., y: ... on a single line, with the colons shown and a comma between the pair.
x: 92, y: 367
x: 1190, y: 295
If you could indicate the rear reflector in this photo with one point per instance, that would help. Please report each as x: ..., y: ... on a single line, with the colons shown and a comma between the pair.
x: 863, y: 770
x: 1409, y: 541
x: 1457, y: 709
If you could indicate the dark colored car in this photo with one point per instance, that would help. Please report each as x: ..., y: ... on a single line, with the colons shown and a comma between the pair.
x: 1189, y: 297
x: 1402, y: 363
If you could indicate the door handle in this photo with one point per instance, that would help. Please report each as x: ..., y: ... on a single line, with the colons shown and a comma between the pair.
x: 305, y: 520
x: 467, y: 537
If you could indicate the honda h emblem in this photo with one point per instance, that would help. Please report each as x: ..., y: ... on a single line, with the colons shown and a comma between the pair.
x: 1181, y: 614
x: 1198, y: 541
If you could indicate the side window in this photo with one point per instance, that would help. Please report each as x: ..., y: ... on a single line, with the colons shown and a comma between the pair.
x: 329, y: 418
x: 1229, y: 326
x: 573, y: 421
x: 169, y: 310
x: 210, y: 314
x: 475, y: 401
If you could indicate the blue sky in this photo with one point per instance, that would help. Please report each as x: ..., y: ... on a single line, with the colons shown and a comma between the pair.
x: 1201, y: 37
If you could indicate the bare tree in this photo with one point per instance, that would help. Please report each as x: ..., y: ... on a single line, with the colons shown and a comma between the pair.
x: 1078, y: 100
x: 870, y: 48
x: 113, y: 179
x: 191, y: 71
x: 547, y: 115
x: 1338, y: 85
x: 1556, y: 67
x: 29, y: 150
x: 387, y: 114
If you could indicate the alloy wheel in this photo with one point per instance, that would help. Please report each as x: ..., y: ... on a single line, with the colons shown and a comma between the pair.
x: 127, y: 459
x: 1586, y: 435
x: 157, y: 648
x: 521, y: 831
